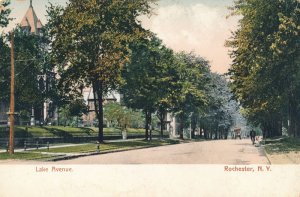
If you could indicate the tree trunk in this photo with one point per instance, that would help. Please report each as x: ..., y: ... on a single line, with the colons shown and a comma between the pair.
x: 98, y: 102
x: 181, y: 126
x: 146, y: 125
x: 58, y: 116
x: 221, y: 134
x: 161, y: 119
x: 100, y: 117
x: 76, y: 121
x: 292, y: 117
x: 150, y: 125
x: 193, y: 126
x: 204, y: 127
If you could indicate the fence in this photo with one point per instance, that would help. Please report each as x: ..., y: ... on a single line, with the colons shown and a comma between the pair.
x: 37, y: 145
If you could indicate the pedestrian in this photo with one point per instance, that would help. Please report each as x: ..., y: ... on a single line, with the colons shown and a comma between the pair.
x: 252, y: 135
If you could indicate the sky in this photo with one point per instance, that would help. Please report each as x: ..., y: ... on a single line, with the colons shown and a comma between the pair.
x: 183, y: 25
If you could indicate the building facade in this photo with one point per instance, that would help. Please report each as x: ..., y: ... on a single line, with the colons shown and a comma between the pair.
x: 33, y: 25
x: 90, y: 118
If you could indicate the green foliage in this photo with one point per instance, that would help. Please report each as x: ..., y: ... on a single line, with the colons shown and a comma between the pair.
x: 149, y: 79
x: 24, y: 156
x: 73, y: 109
x: 90, y: 43
x: 4, y: 13
x: 190, y: 96
x: 122, y: 116
x: 93, y: 47
x: 265, y: 52
x: 221, y: 108
x: 30, y: 50
x: 107, y: 147
x: 4, y: 69
x: 282, y: 145
x: 31, y: 61
x: 65, y: 131
x: 192, y: 76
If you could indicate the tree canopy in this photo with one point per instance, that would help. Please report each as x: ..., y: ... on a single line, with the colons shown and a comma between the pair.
x: 90, y: 43
x: 265, y: 69
x: 4, y: 13
x: 149, y: 80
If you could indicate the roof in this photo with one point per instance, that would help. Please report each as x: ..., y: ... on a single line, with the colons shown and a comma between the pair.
x: 31, y: 20
x: 88, y: 95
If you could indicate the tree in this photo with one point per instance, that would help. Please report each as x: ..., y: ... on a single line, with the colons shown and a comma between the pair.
x: 221, y: 107
x: 90, y: 43
x: 75, y: 108
x: 4, y: 50
x: 148, y: 80
x: 266, y: 61
x: 190, y: 97
x: 31, y: 89
x: 4, y: 13
x: 123, y: 116
x: 4, y: 69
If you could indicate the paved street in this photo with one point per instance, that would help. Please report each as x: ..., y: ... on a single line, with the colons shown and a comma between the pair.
x: 206, y: 152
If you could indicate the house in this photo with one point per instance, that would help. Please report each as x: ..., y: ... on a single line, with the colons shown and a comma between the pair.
x: 88, y: 96
x: 172, y: 125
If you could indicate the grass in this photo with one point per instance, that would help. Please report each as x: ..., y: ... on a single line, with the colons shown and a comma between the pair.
x: 282, y: 145
x: 25, y: 156
x: 86, y: 148
x: 61, y: 131
x: 109, y: 146
x: 70, y: 132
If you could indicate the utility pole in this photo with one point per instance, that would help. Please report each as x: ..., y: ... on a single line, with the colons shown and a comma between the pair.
x: 12, y: 99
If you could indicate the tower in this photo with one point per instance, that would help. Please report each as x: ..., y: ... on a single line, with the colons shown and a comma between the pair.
x: 31, y: 22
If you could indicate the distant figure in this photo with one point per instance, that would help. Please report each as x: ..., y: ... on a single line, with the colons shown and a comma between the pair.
x: 237, y: 133
x: 252, y: 135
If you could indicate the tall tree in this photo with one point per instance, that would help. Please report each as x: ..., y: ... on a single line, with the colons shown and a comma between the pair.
x: 221, y: 107
x: 4, y: 49
x: 75, y: 108
x: 190, y: 97
x: 90, y: 43
x: 265, y: 61
x: 31, y: 62
x: 149, y: 80
x: 4, y: 69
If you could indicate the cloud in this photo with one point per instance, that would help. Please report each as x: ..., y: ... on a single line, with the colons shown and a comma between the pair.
x: 194, y: 27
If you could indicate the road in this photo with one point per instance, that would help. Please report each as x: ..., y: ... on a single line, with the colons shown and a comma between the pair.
x: 238, y: 152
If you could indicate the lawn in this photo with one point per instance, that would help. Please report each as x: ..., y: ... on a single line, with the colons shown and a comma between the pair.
x: 104, y: 147
x: 282, y: 145
x: 61, y: 131
x: 41, y: 154
x: 25, y: 156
